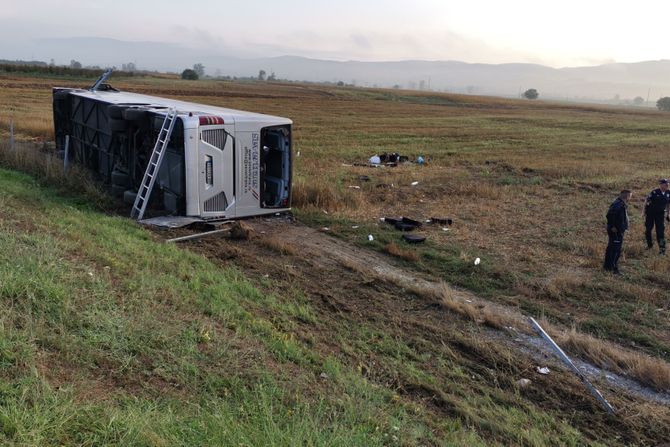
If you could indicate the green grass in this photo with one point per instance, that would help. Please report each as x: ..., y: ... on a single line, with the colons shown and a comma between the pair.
x: 108, y: 337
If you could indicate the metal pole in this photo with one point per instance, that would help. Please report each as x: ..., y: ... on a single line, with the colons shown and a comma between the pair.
x: 606, y: 405
x: 198, y: 235
x: 66, y: 150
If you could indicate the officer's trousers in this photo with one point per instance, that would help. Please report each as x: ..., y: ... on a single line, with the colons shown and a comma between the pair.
x: 613, y: 251
x: 655, y: 220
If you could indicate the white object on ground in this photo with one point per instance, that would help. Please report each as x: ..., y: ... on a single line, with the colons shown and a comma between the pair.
x: 544, y: 370
x: 354, y: 226
x: 375, y: 160
x: 371, y: 237
x: 415, y: 183
x: 326, y: 229
x: 354, y: 186
x: 523, y: 383
x: 445, y: 229
x: 478, y: 261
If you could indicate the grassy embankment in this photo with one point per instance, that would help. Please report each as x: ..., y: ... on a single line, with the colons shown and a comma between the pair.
x: 110, y: 337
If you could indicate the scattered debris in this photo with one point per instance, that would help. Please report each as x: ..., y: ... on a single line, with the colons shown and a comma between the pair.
x: 325, y: 229
x: 354, y: 187
x: 240, y: 231
x: 297, y: 154
x: 324, y: 376
x: 375, y: 160
x: 445, y: 229
x: 544, y: 370
x: 355, y: 227
x: 403, y: 223
x: 415, y: 183
x: 413, y: 238
x: 384, y: 185
x: 478, y: 261
x: 364, y: 178
x: 523, y: 383
x: 441, y: 220
x: 371, y: 237
x: 420, y: 160
x: 324, y: 211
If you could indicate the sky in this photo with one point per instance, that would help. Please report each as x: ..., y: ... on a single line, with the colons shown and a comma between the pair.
x: 553, y: 33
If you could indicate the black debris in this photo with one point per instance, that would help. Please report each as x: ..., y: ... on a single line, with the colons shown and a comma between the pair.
x: 441, y: 220
x: 413, y: 238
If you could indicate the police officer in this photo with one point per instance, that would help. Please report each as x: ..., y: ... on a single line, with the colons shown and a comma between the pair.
x: 617, y: 224
x: 656, y: 207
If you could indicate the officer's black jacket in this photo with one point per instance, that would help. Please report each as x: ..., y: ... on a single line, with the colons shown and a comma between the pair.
x: 656, y: 202
x: 617, y: 216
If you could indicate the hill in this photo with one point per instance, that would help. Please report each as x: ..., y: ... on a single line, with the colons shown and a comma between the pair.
x: 613, y: 82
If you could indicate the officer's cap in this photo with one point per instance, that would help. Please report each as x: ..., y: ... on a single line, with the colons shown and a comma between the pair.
x: 663, y: 181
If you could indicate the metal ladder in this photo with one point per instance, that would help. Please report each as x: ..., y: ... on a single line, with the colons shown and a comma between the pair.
x: 143, y: 194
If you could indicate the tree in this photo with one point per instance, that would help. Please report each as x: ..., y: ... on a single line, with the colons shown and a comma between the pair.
x: 663, y: 104
x: 75, y: 64
x: 130, y: 66
x: 531, y: 93
x: 261, y: 75
x: 199, y: 69
x: 272, y: 77
x: 189, y: 74
x: 638, y: 100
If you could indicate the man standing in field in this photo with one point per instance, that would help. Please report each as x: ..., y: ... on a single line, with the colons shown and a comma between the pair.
x: 656, y: 208
x: 617, y: 224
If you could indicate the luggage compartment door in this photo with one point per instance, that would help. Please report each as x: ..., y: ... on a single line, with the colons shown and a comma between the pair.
x: 216, y: 171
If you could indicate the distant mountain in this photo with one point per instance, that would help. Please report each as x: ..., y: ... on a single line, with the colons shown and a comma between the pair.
x: 604, y: 82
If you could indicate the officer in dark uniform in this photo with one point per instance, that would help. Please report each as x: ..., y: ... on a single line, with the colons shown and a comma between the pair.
x: 656, y: 208
x: 617, y: 224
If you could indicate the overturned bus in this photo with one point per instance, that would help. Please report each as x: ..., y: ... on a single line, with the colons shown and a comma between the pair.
x: 217, y: 164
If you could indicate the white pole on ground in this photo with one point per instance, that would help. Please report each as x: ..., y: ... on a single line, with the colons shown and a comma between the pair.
x: 11, y: 135
x: 606, y: 405
x: 66, y: 150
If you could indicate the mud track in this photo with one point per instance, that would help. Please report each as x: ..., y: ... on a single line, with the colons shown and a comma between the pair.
x: 350, y: 286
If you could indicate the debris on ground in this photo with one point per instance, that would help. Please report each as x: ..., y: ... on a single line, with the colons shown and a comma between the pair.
x: 364, y: 178
x: 240, y: 231
x: 523, y: 383
x: 354, y: 187
x: 441, y: 220
x: 415, y: 183
x: 544, y: 370
x: 413, y: 238
x: 478, y: 261
x: 371, y: 237
x: 403, y: 223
